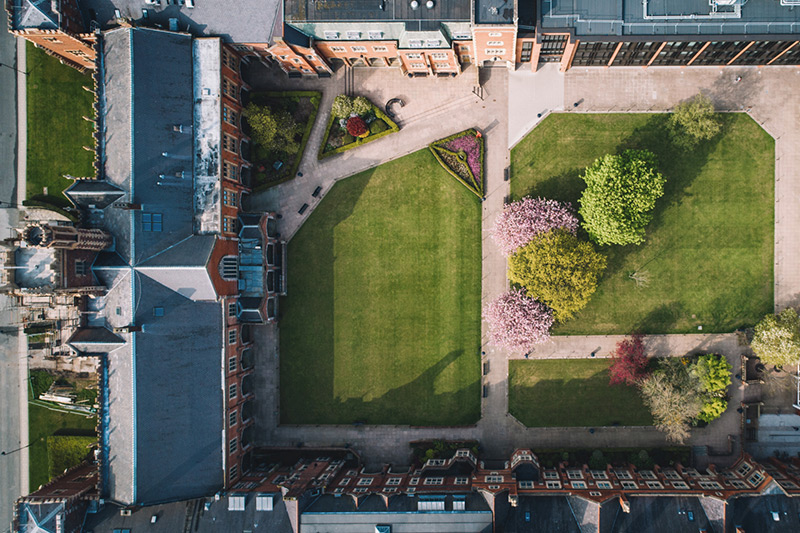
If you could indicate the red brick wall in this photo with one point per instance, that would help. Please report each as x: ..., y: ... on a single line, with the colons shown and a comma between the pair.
x: 71, y: 50
x: 495, y: 43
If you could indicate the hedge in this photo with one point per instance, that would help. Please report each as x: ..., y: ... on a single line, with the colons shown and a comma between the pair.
x: 434, y: 147
x: 315, y: 98
x: 393, y: 127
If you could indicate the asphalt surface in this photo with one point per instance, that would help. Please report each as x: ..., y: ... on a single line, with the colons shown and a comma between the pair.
x: 11, y: 364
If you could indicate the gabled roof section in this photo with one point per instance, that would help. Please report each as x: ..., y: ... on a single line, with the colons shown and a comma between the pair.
x: 30, y: 14
x: 97, y: 194
x: 95, y: 340
x: 193, y: 251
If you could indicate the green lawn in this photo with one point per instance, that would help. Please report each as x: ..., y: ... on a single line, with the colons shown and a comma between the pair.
x: 43, y: 423
x: 382, y: 321
x: 709, y: 249
x: 57, y: 131
x: 571, y: 392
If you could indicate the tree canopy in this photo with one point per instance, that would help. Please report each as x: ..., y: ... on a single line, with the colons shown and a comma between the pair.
x: 521, y: 221
x: 621, y: 192
x: 342, y: 106
x: 558, y: 269
x: 673, y: 399
x: 693, y: 121
x: 517, y: 322
x: 361, y: 106
x: 777, y: 338
x: 272, y: 129
x: 629, y: 362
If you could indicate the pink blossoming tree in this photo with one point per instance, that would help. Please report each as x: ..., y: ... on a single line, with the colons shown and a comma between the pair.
x: 518, y: 322
x: 521, y: 221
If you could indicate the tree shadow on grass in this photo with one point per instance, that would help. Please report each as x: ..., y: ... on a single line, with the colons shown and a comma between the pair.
x: 662, y: 318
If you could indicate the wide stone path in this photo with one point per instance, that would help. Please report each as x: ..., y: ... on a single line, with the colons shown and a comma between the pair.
x: 436, y: 108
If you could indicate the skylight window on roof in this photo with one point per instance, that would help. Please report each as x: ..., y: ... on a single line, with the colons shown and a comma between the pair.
x: 151, y: 221
x: 354, y: 35
x: 331, y: 34
x: 158, y: 311
x: 235, y: 503
x: 375, y: 34
x: 264, y: 502
x: 415, y: 43
x: 433, y: 43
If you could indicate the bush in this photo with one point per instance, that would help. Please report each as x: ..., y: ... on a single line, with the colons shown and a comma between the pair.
x: 378, y: 126
x: 713, y: 371
x: 558, y: 269
x: 342, y: 106
x: 357, y: 127
x: 777, y: 338
x: 712, y: 409
x: 348, y: 139
x: 693, y: 121
x: 361, y: 106
x: 272, y: 129
x: 621, y: 192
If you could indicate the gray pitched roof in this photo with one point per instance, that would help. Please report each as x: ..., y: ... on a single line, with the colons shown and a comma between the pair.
x: 93, y: 193
x: 33, y: 14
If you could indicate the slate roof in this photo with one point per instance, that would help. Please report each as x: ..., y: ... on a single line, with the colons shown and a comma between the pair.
x: 370, y: 10
x: 670, y: 513
x: 33, y: 14
x: 97, y: 194
x: 165, y: 413
x: 756, y: 513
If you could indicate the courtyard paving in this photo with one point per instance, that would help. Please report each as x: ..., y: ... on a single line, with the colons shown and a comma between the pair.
x: 436, y: 108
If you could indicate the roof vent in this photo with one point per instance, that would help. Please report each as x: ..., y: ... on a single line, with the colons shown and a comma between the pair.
x: 414, y: 4
x: 429, y: 4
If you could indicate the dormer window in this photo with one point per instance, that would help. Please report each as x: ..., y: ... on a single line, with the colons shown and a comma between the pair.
x: 229, y: 267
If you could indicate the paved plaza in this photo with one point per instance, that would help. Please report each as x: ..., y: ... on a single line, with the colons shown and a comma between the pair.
x: 512, y: 104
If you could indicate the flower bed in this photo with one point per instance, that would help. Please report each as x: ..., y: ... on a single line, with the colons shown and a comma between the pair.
x: 339, y: 139
x: 462, y: 156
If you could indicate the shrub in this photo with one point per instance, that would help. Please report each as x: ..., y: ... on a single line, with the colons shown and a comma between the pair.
x: 712, y: 409
x: 713, y: 371
x: 342, y: 106
x: 629, y: 363
x: 272, y: 129
x: 693, y: 121
x: 357, y: 127
x: 348, y: 139
x: 517, y: 322
x: 361, y: 106
x: 621, y: 192
x: 559, y: 270
x: 777, y: 338
x: 521, y: 221
x: 377, y: 126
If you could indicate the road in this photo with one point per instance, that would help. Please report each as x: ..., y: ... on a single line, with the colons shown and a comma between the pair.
x: 13, y: 415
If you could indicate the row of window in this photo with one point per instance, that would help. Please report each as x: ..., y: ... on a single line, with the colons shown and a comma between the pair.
x: 358, y: 49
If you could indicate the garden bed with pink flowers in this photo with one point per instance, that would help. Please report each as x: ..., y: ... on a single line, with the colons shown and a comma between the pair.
x: 462, y: 156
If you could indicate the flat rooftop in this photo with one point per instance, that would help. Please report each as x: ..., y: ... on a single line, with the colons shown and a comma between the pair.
x: 670, y: 17
x: 378, y: 11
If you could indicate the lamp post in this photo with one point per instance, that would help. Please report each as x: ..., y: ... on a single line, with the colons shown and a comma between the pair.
x: 13, y: 68
x: 9, y: 452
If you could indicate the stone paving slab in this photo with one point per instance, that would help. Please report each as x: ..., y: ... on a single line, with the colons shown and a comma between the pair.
x: 586, y: 346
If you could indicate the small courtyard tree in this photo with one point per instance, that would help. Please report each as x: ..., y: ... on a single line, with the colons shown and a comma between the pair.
x: 777, y: 338
x: 673, y: 405
x: 361, y: 106
x: 342, y: 106
x: 558, y: 269
x: 693, y: 121
x: 517, y: 322
x: 621, y: 192
x: 521, y: 221
x: 629, y: 363
x: 272, y: 129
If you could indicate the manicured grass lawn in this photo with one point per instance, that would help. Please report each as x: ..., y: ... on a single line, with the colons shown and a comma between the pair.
x: 43, y: 423
x: 709, y: 249
x: 571, y: 392
x: 57, y: 132
x: 382, y: 320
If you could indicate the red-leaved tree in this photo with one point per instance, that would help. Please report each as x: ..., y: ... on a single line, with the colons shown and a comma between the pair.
x: 356, y: 126
x: 518, y: 322
x: 629, y: 363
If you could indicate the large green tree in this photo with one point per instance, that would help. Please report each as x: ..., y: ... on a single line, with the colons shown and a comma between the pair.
x: 272, y: 129
x: 558, y: 269
x: 621, y: 192
x: 777, y: 338
x: 693, y: 121
x: 673, y: 398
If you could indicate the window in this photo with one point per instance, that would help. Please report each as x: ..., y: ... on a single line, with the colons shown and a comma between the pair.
x: 744, y: 469
x: 393, y: 481
x: 680, y: 485
x: 331, y: 34
x: 553, y: 484
x: 77, y: 53
x: 231, y: 336
x: 353, y: 35
x: 671, y: 474
x: 229, y: 170
x: 415, y: 43
x: 151, y: 222
x: 230, y: 60
x: 229, y: 143
x: 604, y: 485
x: 229, y: 225
x: 461, y: 481
x: 441, y: 66
x: 433, y: 43
x: 414, y: 481
x: 339, y: 49
x: 229, y: 266
x: 232, y: 364
x: 358, y: 49
x: 233, y: 445
x: 51, y: 40
x: 228, y: 88
x: 654, y: 485
x: 737, y: 484
x: 495, y: 51
x: 229, y: 197
x: 495, y: 34
x: 232, y: 416
x: 784, y: 484
x: 550, y: 474
x: 630, y: 485
x: 623, y: 474
x: 232, y: 391
x: 380, y: 49
x: 435, y: 462
x: 494, y: 43
x: 80, y: 268
x: 493, y: 479
x: 598, y: 474
x: 418, y: 65
x: 364, y: 481
x: 755, y: 479
x: 463, y: 48
x: 373, y: 34
x: 229, y: 115
x: 526, y: 484
x: 710, y: 485
x: 578, y: 484
x: 233, y: 472
x: 433, y: 481
x: 296, y: 59
x: 344, y: 481
x: 439, y: 55
x: 158, y: 311
x: 232, y: 309
x: 574, y: 474
x: 647, y: 474
x: 360, y: 490
x: 414, y: 56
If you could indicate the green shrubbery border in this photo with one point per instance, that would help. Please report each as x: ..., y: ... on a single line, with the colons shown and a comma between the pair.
x: 434, y: 148
x: 316, y: 98
x: 393, y: 127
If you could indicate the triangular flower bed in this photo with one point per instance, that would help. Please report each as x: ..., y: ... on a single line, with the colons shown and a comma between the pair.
x: 462, y: 156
